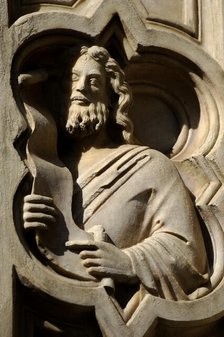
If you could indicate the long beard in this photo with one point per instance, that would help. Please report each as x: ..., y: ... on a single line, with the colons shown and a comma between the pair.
x: 86, y: 120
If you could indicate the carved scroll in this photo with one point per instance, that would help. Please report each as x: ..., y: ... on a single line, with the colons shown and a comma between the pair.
x: 51, y: 178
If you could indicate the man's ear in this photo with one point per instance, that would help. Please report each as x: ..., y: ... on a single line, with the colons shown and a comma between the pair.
x: 113, y: 97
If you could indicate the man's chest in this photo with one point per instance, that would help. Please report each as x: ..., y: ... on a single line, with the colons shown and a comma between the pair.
x: 120, y: 210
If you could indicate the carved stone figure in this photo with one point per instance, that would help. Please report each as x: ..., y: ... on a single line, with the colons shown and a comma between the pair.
x: 135, y: 220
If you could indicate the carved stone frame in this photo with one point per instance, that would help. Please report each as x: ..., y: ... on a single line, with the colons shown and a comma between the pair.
x: 197, y: 153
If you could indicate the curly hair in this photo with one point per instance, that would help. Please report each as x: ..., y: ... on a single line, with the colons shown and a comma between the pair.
x: 119, y: 122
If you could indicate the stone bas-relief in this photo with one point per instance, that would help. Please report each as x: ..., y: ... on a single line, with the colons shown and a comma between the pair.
x: 134, y: 222
x: 172, y: 57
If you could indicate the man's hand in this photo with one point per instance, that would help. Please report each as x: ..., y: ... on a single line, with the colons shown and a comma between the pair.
x: 103, y: 259
x: 39, y: 212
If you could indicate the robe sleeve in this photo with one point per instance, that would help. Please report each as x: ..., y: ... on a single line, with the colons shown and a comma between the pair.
x: 171, y: 261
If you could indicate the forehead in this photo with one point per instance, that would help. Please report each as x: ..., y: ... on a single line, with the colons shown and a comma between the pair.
x: 86, y: 65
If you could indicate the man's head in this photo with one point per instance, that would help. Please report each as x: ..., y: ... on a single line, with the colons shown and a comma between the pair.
x: 95, y: 91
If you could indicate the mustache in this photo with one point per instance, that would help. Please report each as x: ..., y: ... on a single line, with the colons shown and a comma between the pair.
x: 80, y: 98
x: 85, y: 120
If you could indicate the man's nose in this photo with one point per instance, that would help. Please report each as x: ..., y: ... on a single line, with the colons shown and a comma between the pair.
x: 81, y: 84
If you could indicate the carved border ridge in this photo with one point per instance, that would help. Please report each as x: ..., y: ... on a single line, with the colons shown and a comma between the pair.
x: 195, y: 107
x: 25, y: 7
x: 57, y: 2
x: 186, y: 18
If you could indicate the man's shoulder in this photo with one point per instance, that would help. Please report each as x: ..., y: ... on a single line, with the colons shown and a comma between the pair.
x: 157, y: 164
x: 154, y: 155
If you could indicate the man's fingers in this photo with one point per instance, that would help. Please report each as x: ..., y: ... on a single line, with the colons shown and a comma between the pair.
x: 91, y: 262
x: 34, y: 225
x: 38, y: 212
x: 85, y: 254
x: 101, y: 271
x: 39, y: 208
x: 39, y: 199
x: 38, y: 217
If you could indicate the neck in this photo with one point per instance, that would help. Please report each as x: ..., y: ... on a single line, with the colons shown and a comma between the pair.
x: 79, y: 150
x: 96, y: 141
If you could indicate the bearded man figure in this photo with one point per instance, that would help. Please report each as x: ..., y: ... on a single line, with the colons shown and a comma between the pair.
x: 146, y: 232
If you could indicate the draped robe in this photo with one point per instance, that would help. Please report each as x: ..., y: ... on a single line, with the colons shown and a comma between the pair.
x: 138, y: 197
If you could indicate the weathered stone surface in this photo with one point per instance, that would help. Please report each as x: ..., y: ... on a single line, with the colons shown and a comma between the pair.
x: 181, y: 14
x: 99, y: 228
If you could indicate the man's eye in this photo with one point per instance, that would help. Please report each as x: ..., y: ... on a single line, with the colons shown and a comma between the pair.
x: 94, y: 81
x: 75, y: 77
